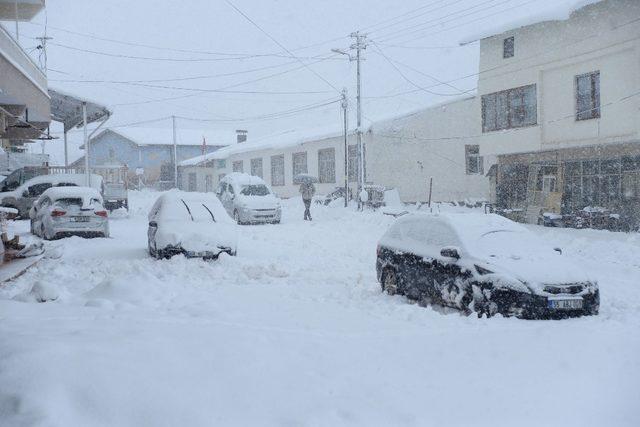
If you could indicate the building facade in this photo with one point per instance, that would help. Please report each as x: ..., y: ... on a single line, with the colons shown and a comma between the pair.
x: 24, y: 101
x: 155, y: 160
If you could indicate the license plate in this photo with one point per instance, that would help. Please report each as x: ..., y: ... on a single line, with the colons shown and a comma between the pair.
x: 566, y: 304
x: 81, y: 219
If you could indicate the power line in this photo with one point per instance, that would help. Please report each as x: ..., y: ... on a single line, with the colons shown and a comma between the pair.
x: 440, y: 20
x: 170, y: 49
x: 411, y: 81
x: 410, y: 12
x: 223, y: 88
x: 280, y: 44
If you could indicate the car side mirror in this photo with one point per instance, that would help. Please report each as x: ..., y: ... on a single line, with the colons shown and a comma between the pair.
x: 450, y: 252
x: 153, y: 224
x: 558, y: 250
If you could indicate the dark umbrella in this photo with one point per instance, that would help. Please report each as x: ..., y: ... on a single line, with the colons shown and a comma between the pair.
x: 304, y: 178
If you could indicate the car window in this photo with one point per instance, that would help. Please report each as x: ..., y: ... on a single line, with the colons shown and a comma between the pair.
x: 255, y: 190
x: 436, y: 234
x: 66, y: 184
x: 37, y: 189
x: 67, y: 202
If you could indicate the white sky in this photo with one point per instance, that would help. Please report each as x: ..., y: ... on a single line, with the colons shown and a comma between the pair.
x: 425, y: 40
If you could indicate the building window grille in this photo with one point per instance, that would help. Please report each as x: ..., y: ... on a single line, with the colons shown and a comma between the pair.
x: 277, y: 170
x: 327, y: 165
x: 588, y: 96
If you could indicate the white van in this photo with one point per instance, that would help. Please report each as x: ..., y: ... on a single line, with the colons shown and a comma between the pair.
x: 22, y: 198
x: 248, y: 199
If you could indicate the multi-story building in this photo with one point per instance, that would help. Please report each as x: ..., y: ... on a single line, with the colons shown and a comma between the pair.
x: 24, y: 100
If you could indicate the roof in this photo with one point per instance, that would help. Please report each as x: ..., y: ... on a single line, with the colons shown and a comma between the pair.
x: 559, y: 12
x: 284, y: 139
x: 67, y: 109
x: 164, y: 136
x: 63, y: 192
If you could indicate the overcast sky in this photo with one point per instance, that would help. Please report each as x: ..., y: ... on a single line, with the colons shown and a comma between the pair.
x: 191, y: 45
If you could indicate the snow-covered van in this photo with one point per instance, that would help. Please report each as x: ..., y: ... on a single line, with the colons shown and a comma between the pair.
x: 22, y: 198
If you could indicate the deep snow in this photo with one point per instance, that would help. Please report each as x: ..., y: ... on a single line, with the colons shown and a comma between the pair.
x: 295, y: 331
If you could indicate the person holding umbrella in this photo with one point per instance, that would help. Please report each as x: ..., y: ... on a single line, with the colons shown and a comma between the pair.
x: 307, y: 190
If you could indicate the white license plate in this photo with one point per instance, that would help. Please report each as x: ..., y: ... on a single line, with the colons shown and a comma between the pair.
x: 81, y: 219
x: 566, y: 304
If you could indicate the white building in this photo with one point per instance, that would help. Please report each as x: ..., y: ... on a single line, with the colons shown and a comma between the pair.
x: 543, y: 85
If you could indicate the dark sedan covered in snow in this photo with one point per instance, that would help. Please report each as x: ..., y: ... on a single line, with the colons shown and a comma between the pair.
x: 191, y: 224
x: 482, y: 263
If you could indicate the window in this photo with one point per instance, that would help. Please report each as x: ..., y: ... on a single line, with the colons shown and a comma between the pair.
x: 193, y: 181
x: 208, y: 183
x: 508, y: 109
x: 37, y: 189
x: 508, y: 47
x: 256, y: 167
x: 474, y: 162
x: 221, y: 164
x: 327, y: 165
x: 353, y: 163
x: 588, y: 96
x: 238, y: 166
x: 299, y: 161
x: 277, y: 170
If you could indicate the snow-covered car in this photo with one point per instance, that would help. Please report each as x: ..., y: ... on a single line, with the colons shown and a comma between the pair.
x: 69, y: 211
x: 483, y: 263
x: 193, y: 224
x: 22, y: 198
x: 248, y: 199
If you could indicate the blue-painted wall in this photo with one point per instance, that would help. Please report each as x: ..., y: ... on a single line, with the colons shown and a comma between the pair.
x: 110, y: 148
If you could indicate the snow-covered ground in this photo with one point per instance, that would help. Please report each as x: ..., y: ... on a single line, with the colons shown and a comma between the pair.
x: 294, y: 331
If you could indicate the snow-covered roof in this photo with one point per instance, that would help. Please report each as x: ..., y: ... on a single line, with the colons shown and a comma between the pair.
x: 288, y: 138
x: 561, y: 11
x: 164, y: 136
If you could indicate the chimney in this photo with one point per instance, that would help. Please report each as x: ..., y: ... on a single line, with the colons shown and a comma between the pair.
x: 241, y: 135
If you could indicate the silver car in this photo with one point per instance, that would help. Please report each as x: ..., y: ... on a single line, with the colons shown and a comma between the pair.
x: 23, y: 197
x: 69, y: 211
x: 248, y: 199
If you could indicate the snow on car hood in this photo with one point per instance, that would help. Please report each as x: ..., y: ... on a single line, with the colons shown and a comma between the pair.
x: 197, y: 236
x: 524, y: 256
x: 258, y: 202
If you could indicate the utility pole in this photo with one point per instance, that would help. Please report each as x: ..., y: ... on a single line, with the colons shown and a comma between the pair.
x: 15, y: 3
x: 175, y: 153
x: 359, y: 45
x: 345, y: 105
x: 86, y: 144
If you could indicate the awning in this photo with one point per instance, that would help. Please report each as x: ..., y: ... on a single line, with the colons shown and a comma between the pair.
x: 67, y: 109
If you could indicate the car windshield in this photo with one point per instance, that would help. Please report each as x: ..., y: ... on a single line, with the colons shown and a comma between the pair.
x: 255, y: 190
x: 197, y: 211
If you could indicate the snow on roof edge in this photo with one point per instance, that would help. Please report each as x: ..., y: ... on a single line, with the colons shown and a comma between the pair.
x: 558, y: 13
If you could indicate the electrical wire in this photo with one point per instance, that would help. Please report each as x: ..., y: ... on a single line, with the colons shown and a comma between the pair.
x: 280, y: 44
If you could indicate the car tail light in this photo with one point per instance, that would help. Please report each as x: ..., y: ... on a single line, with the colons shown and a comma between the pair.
x: 102, y: 213
x: 57, y: 212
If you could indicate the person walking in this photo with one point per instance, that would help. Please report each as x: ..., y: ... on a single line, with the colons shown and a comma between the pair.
x: 307, y: 189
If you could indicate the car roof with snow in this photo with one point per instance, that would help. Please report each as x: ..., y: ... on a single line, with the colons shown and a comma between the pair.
x: 55, y: 179
x: 238, y: 178
x: 57, y: 193
x: 427, y: 234
x: 201, y: 206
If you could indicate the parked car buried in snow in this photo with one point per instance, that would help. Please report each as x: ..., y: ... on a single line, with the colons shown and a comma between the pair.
x: 248, y: 199
x: 483, y: 263
x: 69, y: 211
x: 193, y: 224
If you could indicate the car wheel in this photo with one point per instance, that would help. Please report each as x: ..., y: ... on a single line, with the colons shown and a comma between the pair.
x: 390, y: 281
